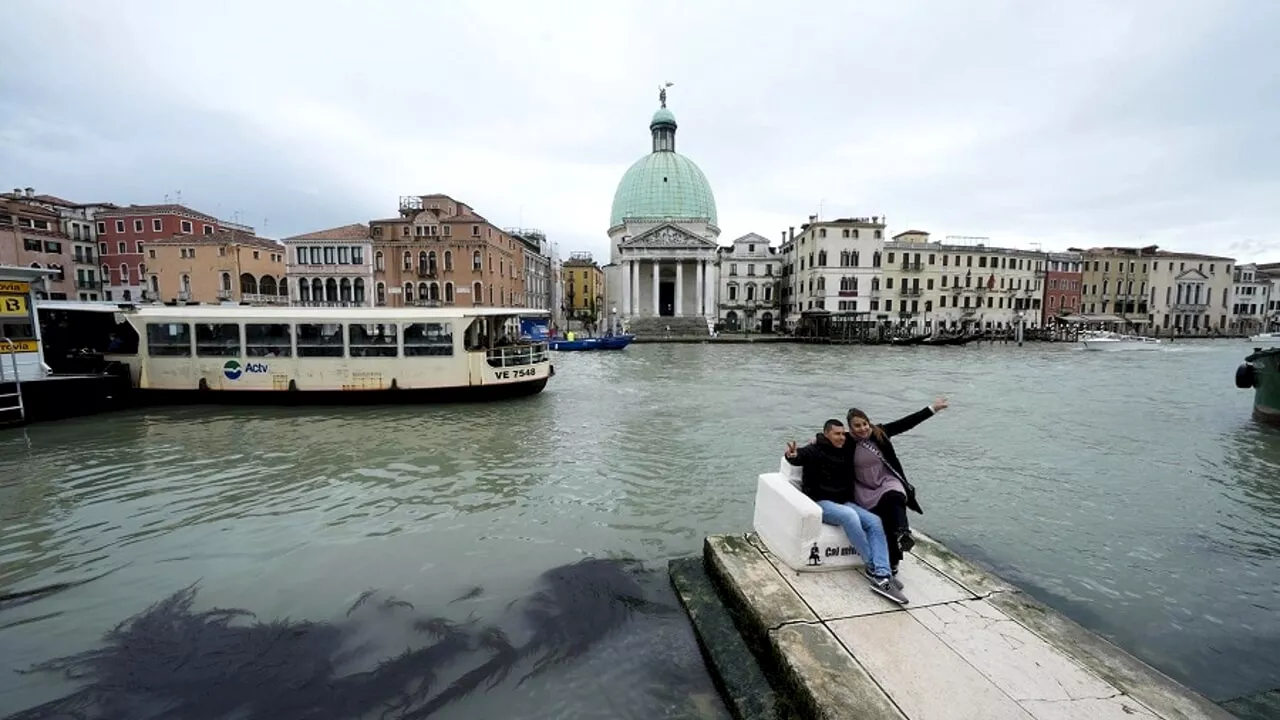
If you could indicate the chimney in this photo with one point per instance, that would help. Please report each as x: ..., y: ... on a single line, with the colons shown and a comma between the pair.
x: 792, y: 231
x: 784, y: 237
x: 30, y: 192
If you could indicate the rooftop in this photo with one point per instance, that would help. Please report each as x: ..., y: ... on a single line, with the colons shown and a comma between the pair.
x: 354, y: 231
x: 321, y: 314
x: 220, y: 238
x: 162, y: 209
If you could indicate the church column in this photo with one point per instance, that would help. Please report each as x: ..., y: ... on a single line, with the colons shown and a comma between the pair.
x: 626, y: 288
x: 657, y: 309
x: 698, y: 279
x: 633, y: 288
x: 679, y: 311
x: 708, y: 289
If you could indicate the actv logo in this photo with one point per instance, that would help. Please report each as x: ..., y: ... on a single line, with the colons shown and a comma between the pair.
x: 232, y: 369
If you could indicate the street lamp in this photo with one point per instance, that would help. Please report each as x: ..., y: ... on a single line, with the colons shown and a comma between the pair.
x: 613, y: 322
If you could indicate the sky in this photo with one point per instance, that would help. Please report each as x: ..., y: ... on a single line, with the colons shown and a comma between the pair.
x: 1031, y: 123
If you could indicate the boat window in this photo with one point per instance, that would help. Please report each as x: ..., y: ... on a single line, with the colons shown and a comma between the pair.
x: 428, y: 339
x: 168, y: 340
x: 218, y: 339
x: 271, y: 340
x: 374, y: 340
x: 320, y: 340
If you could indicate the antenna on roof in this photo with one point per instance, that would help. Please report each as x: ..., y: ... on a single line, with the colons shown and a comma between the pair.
x: 179, y: 196
x: 166, y: 198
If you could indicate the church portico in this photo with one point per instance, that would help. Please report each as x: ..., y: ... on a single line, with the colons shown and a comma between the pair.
x: 667, y: 272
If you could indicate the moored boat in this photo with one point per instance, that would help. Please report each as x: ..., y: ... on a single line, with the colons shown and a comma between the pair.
x: 608, y: 342
x: 1110, y: 341
x: 295, y: 354
x: 1266, y: 339
x: 1261, y: 371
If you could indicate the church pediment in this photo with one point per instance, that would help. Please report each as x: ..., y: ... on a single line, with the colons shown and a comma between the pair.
x: 1192, y: 275
x: 668, y: 237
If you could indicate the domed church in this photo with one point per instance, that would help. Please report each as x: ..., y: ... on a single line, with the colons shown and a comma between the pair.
x: 663, y: 232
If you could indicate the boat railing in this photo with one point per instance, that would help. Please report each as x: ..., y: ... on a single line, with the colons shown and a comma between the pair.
x: 517, y: 355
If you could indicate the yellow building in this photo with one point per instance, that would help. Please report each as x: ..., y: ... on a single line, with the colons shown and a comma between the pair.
x: 583, y: 287
x: 225, y: 266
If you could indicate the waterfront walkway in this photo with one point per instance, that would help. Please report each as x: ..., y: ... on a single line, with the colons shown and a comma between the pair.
x: 968, y: 647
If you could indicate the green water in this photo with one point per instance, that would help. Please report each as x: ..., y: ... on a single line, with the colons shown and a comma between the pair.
x: 1130, y: 490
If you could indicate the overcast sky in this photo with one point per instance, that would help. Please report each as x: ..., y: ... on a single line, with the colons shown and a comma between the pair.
x: 1059, y: 123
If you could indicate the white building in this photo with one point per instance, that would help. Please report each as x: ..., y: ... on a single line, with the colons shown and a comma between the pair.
x: 662, y: 232
x: 1272, y: 272
x: 1190, y: 293
x: 1250, y: 295
x: 833, y: 265
x: 331, y: 268
x: 962, y: 283
x: 750, y: 273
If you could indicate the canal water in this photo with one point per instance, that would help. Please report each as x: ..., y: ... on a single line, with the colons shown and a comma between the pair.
x: 1131, y: 491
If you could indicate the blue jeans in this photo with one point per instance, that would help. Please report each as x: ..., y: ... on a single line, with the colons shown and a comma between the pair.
x: 865, y: 531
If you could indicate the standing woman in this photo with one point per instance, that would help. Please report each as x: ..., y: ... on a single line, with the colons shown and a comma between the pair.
x: 880, y: 485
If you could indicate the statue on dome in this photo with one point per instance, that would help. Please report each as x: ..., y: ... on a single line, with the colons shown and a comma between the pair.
x: 662, y: 93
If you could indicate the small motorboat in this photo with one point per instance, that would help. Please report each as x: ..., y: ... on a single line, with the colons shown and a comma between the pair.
x: 608, y: 342
x: 1116, y: 342
x: 1267, y: 339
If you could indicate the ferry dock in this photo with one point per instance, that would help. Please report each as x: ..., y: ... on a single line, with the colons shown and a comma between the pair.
x: 969, y: 646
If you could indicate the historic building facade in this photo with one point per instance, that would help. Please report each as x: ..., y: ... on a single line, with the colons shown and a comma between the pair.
x: 331, y: 268
x: 750, y: 276
x: 662, y: 232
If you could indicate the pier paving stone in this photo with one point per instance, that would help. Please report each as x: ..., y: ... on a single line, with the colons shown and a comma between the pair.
x: 923, y: 677
x: 758, y: 589
x: 846, y: 593
x: 968, y: 647
x: 832, y: 684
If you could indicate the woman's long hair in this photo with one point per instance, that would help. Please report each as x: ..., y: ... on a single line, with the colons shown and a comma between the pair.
x: 877, y: 432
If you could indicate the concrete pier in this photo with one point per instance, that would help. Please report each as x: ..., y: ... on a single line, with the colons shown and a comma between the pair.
x: 969, y: 646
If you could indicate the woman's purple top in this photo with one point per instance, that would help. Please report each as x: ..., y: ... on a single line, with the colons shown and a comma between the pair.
x: 872, y: 476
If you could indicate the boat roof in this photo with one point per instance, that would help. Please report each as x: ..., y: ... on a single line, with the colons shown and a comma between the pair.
x: 286, y: 312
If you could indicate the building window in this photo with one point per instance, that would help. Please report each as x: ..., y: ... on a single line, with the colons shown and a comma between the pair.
x: 448, y: 291
x: 380, y: 294
x: 448, y: 257
x: 157, y: 225
x: 186, y: 227
x: 476, y: 261
x: 477, y: 293
x: 378, y: 262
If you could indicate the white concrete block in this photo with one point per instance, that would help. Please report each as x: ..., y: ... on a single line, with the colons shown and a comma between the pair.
x: 790, y: 525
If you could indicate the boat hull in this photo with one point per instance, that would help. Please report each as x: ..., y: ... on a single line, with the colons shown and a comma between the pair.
x: 409, y: 396
x: 1266, y: 385
x: 1119, y: 345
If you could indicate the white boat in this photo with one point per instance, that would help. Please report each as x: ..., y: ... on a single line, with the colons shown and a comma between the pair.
x: 296, y: 354
x: 1117, y: 342
x: 1266, y: 338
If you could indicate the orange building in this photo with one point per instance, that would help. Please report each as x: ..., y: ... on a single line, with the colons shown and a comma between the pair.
x: 219, y: 267
x: 31, y: 236
x: 439, y: 251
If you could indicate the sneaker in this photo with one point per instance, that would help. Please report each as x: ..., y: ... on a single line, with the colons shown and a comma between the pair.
x: 894, y: 579
x: 905, y: 541
x: 885, y: 586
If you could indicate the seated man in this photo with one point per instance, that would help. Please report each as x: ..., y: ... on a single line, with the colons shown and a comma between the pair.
x: 828, y: 481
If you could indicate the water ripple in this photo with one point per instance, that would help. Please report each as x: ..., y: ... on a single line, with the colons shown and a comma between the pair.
x: 1130, y: 491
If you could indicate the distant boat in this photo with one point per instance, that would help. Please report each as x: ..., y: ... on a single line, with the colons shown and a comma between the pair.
x: 912, y: 340
x: 1273, y: 338
x: 1261, y: 371
x: 610, y: 342
x: 1112, y: 342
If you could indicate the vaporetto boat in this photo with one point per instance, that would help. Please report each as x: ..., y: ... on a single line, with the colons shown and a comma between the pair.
x: 296, y: 354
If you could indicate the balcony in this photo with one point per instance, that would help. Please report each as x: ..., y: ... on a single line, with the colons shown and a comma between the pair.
x: 848, y: 293
x: 224, y: 294
x: 1191, y: 307
x: 427, y: 271
x: 912, y: 266
x: 88, y: 284
x: 85, y: 258
x: 260, y: 299
x: 910, y: 291
x: 184, y: 296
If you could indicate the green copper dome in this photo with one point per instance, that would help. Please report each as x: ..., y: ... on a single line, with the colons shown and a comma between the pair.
x: 664, y: 183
